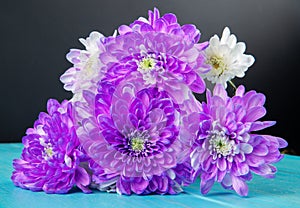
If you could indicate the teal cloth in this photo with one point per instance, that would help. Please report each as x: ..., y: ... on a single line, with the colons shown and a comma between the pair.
x: 282, y: 191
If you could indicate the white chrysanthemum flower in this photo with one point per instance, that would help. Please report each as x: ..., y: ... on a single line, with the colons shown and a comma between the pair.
x: 86, y: 70
x: 226, y: 58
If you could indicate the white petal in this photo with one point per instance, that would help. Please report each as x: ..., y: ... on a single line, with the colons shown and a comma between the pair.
x: 224, y: 50
x: 238, y: 49
x: 240, y: 74
x: 214, y: 41
x: 231, y: 42
x: 83, y: 41
x: 225, y: 35
x: 143, y: 19
x: 247, y: 59
x: 68, y: 161
x: 246, y: 148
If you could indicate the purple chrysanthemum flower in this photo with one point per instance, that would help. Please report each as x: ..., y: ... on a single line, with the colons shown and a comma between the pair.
x: 133, y: 137
x: 160, y: 50
x: 51, y: 157
x: 226, y: 148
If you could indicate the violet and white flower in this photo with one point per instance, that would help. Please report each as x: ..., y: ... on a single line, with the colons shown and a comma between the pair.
x: 226, y: 147
x: 160, y: 50
x: 227, y: 58
x: 50, y: 160
x: 86, y: 71
x: 132, y: 135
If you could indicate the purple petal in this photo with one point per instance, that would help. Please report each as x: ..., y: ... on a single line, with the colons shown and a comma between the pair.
x: 198, y: 85
x: 254, y: 113
x: 170, y: 18
x: 160, y: 25
x: 240, y: 91
x: 264, y: 170
x: 146, y: 28
x: 254, y: 161
x: 256, y: 100
x: 260, y: 150
x: 82, y: 179
x: 123, y: 29
x: 153, y: 185
x: 139, y: 186
x: 207, y: 163
x: 243, y: 168
x: 123, y: 187
x: 239, y: 186
x: 221, y: 164
x: 281, y: 142
x: 202, y: 46
x: 221, y: 175
x: 258, y: 125
x: 205, y: 186
x: 227, y: 182
x: 220, y: 91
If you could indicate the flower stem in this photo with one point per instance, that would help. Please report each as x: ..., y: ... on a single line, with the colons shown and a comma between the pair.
x: 232, y: 84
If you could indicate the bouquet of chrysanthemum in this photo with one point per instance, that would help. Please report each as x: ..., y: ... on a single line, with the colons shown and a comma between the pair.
x: 134, y: 124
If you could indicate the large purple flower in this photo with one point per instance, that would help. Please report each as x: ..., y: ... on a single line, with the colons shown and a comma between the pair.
x: 51, y: 157
x: 133, y: 137
x: 160, y: 50
x: 226, y: 148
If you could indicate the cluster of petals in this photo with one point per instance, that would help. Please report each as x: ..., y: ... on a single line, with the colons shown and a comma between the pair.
x: 226, y: 147
x: 51, y: 157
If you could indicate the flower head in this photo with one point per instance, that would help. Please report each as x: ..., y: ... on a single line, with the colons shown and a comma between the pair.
x: 227, y: 58
x: 160, y: 50
x: 133, y: 137
x: 51, y: 157
x: 226, y: 148
x: 86, y: 71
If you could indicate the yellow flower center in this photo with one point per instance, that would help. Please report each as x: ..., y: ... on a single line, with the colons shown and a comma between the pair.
x: 218, y: 64
x: 146, y: 64
x: 137, y: 144
x: 49, y: 151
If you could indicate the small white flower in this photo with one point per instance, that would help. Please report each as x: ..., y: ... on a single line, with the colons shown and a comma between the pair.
x: 226, y: 58
x: 87, y: 65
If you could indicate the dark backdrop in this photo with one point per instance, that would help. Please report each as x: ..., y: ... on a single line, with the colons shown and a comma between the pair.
x: 36, y: 36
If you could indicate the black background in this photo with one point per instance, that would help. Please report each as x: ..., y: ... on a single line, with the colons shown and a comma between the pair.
x: 36, y: 36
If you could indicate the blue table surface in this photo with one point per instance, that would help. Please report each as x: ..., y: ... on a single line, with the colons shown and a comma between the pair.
x: 282, y: 191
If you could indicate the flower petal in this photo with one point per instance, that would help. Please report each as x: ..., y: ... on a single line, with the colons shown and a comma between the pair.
x: 239, y: 186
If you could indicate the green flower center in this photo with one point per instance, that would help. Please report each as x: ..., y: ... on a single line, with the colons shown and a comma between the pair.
x: 147, y: 64
x: 49, y: 151
x: 137, y: 144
